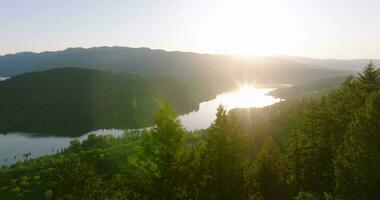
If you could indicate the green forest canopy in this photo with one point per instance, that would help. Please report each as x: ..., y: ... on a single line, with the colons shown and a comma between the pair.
x: 317, y: 149
x: 73, y: 101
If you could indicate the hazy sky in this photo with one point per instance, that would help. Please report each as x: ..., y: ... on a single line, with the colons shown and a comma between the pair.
x: 313, y: 28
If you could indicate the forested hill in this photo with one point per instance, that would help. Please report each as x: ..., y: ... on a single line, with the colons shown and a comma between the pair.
x: 318, y: 149
x: 147, y: 63
x: 310, y: 89
x: 71, y: 100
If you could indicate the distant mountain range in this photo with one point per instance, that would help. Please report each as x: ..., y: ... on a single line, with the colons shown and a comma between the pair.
x: 146, y: 62
x: 351, y: 65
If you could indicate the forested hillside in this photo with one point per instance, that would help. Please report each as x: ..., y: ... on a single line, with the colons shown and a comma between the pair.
x: 145, y: 62
x: 310, y: 89
x: 328, y: 146
x: 316, y: 149
x: 72, y: 101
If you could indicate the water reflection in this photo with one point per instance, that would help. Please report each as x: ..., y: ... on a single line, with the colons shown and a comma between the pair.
x: 13, y: 146
x: 248, y: 96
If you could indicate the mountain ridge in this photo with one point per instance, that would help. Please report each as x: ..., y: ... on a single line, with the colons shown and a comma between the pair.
x: 333, y: 63
x: 148, y: 62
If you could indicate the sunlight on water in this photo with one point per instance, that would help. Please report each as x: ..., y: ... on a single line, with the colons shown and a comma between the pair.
x: 13, y: 146
x: 248, y: 96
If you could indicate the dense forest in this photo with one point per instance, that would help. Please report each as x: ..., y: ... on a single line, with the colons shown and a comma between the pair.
x: 313, y: 149
x: 73, y: 101
x: 308, y: 90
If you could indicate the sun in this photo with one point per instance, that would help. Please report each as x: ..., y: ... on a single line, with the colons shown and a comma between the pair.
x: 245, y: 27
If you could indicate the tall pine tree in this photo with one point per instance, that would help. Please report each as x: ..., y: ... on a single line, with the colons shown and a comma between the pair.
x: 168, y: 155
x: 357, y: 164
x: 222, y: 159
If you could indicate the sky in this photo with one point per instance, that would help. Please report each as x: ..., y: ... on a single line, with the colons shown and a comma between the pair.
x: 345, y: 29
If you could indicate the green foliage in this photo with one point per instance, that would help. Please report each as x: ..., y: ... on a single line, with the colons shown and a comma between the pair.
x: 309, y: 150
x: 265, y: 178
x: 305, y: 196
x: 222, y: 159
x: 369, y: 80
x: 327, y: 149
x: 357, y: 164
x: 168, y: 155
x: 72, y: 101
x: 312, y: 89
x: 320, y: 149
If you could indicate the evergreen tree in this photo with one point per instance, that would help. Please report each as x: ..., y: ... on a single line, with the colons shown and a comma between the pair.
x: 76, y: 179
x: 223, y: 159
x: 357, y: 166
x: 265, y: 177
x: 344, y: 102
x: 369, y: 80
x: 309, y: 150
x: 168, y: 155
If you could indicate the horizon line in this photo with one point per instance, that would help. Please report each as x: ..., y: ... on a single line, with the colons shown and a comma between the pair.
x: 185, y: 51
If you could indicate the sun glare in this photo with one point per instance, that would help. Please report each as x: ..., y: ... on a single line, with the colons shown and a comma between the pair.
x: 248, y: 96
x: 244, y: 27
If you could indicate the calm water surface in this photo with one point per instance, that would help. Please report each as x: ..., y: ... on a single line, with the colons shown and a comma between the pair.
x: 14, y: 145
x: 248, y: 96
